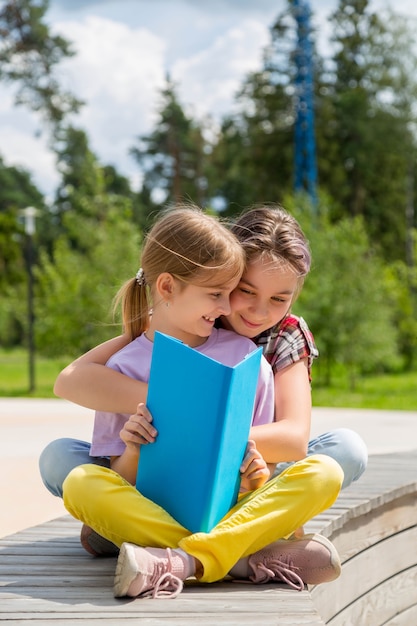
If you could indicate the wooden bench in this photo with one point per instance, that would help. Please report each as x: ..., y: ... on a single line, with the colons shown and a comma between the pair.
x: 374, y: 528
x: 47, y: 578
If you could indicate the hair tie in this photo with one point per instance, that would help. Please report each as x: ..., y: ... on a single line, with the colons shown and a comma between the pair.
x: 140, y: 277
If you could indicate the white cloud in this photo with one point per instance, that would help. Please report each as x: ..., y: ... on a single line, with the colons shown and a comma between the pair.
x: 117, y: 71
x: 209, y: 79
x: 112, y: 59
x: 28, y: 151
x: 23, y: 144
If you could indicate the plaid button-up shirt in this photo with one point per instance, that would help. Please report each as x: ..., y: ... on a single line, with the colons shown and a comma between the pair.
x: 288, y: 342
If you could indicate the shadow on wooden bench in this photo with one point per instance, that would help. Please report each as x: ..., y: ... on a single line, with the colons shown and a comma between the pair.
x: 47, y: 578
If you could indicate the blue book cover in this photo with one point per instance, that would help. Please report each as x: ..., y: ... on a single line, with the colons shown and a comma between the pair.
x: 203, y: 411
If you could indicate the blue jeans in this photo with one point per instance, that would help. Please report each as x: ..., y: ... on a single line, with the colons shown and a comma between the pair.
x: 342, y: 444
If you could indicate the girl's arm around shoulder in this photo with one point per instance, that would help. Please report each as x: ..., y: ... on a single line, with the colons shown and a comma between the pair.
x: 88, y: 382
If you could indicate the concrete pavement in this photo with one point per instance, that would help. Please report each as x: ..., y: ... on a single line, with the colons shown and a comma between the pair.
x: 27, y: 425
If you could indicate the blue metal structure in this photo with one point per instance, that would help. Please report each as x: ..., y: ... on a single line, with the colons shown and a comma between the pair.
x: 305, y: 144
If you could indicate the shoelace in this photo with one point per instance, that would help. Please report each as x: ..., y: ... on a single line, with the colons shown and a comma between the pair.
x: 163, y: 583
x: 278, y: 569
x: 168, y: 586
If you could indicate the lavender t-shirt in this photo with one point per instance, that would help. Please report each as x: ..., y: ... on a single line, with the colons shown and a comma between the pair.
x: 134, y: 360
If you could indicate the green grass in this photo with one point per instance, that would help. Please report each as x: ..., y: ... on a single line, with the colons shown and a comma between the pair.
x: 14, y: 374
x: 388, y: 391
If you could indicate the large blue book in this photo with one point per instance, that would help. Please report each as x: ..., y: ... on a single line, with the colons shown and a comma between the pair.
x: 202, y: 410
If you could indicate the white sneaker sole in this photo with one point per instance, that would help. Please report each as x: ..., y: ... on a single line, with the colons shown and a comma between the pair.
x: 126, y: 570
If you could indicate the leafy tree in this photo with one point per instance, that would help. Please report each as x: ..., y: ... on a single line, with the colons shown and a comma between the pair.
x: 84, y: 181
x: 12, y: 272
x: 253, y: 159
x: 81, y: 174
x: 347, y: 300
x: 76, y: 287
x: 29, y: 55
x: 11, y: 261
x: 90, y: 246
x: 17, y: 191
x: 172, y: 155
x: 95, y: 248
x: 364, y: 114
x: 402, y: 288
x: 370, y: 93
x: 115, y: 183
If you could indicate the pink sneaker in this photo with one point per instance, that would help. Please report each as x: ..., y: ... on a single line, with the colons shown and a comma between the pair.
x: 311, y: 559
x: 148, y: 572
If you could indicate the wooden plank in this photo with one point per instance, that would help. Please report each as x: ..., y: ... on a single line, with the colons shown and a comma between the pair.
x: 360, y: 533
x: 366, y: 571
x: 405, y: 618
x: 386, y: 479
x: 392, y: 602
x: 212, y: 605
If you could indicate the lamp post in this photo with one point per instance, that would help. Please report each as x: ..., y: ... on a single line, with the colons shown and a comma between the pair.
x: 29, y: 215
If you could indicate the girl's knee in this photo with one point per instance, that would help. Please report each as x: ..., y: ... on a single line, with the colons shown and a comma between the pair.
x: 58, y: 458
x: 347, y: 448
x: 82, y: 484
x: 351, y: 453
x: 327, y: 473
x: 88, y: 483
x: 355, y: 449
x: 74, y: 485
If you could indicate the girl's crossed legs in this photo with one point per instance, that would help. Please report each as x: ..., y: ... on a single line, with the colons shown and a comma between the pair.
x: 106, y: 502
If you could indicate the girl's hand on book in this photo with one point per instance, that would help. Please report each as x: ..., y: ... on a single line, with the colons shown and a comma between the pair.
x: 254, y: 471
x: 138, y: 429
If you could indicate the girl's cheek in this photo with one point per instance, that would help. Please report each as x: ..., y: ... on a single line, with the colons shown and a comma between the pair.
x: 236, y: 301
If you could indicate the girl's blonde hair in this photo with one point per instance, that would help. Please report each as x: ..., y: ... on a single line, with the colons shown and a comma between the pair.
x: 271, y: 233
x: 189, y: 244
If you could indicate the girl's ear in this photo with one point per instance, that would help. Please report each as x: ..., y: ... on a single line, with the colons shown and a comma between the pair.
x: 165, y: 286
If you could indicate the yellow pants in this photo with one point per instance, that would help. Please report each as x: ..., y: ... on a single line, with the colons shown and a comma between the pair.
x: 103, y: 500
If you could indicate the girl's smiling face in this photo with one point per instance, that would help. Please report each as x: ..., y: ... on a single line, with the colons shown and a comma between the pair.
x: 187, y: 311
x: 262, y: 298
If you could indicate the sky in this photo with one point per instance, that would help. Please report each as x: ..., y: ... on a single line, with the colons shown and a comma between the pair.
x: 124, y: 49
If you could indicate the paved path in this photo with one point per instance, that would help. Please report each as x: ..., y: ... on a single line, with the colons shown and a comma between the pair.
x: 27, y: 425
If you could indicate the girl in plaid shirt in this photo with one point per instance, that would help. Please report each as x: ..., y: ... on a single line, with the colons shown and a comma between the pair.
x: 277, y: 262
